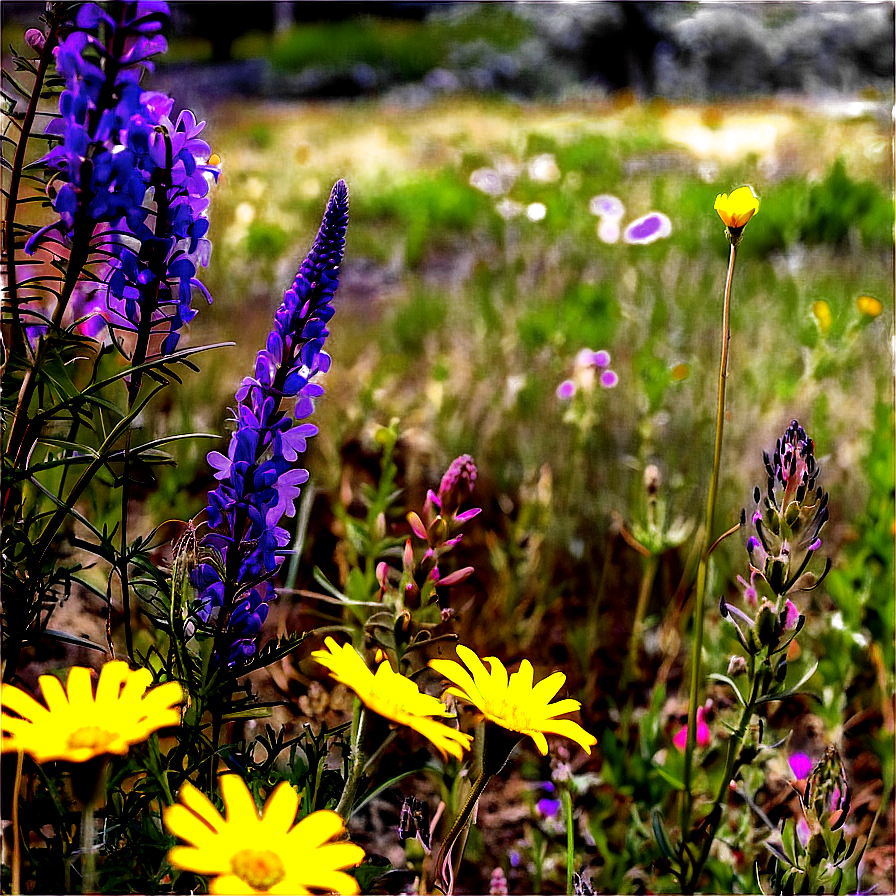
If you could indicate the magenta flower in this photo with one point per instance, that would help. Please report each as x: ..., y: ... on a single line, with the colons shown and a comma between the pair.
x: 704, y: 735
x: 800, y: 765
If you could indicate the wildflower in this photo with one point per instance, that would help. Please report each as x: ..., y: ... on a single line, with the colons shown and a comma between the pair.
x: 127, y: 178
x: 647, y: 229
x: 736, y: 210
x: 77, y: 725
x: 258, y: 480
x: 536, y: 211
x: 869, y: 306
x: 514, y: 703
x: 822, y: 312
x: 609, y: 210
x: 393, y: 697
x: 704, y: 735
x: 543, y: 169
x: 800, y: 765
x: 244, y: 852
x: 590, y: 367
x: 827, y: 796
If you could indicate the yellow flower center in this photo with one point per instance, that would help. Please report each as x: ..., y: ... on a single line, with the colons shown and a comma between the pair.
x: 90, y: 737
x: 260, y: 868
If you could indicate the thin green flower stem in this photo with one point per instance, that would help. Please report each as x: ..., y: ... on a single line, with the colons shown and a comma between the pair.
x: 702, y: 570
x: 88, y: 824
x: 570, y: 838
x: 16, y: 835
x: 356, y: 769
x: 734, y: 744
x: 458, y: 826
x: 650, y: 570
x: 15, y: 178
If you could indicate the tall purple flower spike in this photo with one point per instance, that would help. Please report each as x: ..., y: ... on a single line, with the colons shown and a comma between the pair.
x: 259, y: 480
x: 786, y: 533
x: 127, y: 173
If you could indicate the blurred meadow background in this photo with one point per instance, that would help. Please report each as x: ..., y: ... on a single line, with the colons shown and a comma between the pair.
x: 473, y: 139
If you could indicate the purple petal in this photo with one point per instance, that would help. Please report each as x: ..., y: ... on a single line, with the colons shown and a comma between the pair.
x: 648, y: 229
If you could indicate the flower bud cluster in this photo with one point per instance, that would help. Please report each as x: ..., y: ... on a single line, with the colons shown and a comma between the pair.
x: 123, y: 169
x: 259, y: 481
x: 786, y: 534
x: 440, y: 529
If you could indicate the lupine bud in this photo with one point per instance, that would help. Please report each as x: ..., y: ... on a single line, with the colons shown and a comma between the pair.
x: 766, y: 626
x: 36, y: 39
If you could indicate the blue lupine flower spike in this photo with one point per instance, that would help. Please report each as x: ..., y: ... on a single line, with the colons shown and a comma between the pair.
x: 259, y: 479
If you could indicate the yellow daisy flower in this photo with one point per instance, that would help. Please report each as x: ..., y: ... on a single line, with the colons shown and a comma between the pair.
x: 735, y: 210
x: 514, y: 704
x: 246, y: 853
x: 393, y: 697
x: 869, y: 305
x: 78, y: 726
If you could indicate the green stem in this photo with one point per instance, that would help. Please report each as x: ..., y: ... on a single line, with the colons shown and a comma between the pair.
x: 356, y: 769
x: 16, y: 836
x: 497, y: 745
x: 650, y: 570
x: 702, y: 570
x: 570, y: 838
x: 734, y: 745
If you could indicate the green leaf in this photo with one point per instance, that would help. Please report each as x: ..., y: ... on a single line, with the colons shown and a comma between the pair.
x: 669, y: 778
x: 716, y: 676
x: 792, y: 692
x: 661, y: 835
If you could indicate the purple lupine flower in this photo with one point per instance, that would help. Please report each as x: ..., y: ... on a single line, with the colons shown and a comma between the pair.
x: 258, y: 480
x: 126, y: 176
x: 647, y: 229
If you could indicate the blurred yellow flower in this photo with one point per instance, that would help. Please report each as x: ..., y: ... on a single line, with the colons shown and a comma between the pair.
x: 514, y: 703
x: 77, y: 726
x: 735, y: 210
x: 869, y: 305
x: 393, y: 696
x: 246, y: 853
x: 822, y: 312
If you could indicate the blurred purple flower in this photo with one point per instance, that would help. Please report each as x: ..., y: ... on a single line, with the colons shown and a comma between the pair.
x: 704, y: 736
x: 647, y: 229
x: 548, y: 808
x: 606, y: 206
x: 566, y: 390
x: 488, y: 181
x: 800, y: 765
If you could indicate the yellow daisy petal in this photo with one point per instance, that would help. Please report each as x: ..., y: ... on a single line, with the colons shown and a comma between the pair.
x: 735, y: 210
x: 390, y: 695
x: 281, y: 807
x: 266, y: 854
x: 514, y: 703
x: 76, y: 726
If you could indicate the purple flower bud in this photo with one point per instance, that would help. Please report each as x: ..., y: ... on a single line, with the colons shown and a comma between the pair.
x: 457, y: 485
x: 36, y: 39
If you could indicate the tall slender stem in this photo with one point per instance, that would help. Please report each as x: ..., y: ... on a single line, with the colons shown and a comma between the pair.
x: 359, y: 726
x: 570, y: 837
x: 702, y: 569
x: 16, y: 834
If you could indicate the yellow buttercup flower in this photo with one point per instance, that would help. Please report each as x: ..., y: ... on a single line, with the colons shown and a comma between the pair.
x: 735, y: 210
x: 514, y: 703
x: 78, y: 726
x: 869, y: 305
x: 246, y: 853
x: 393, y: 697
x: 822, y: 312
